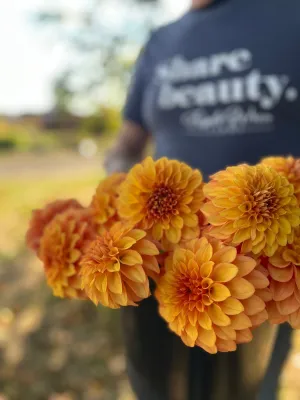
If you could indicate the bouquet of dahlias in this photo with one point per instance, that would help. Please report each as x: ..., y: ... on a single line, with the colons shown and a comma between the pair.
x: 224, y: 256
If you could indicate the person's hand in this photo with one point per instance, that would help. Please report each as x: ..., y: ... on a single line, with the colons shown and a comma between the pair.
x: 128, y: 149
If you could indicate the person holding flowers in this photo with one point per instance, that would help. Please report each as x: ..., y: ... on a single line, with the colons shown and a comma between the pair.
x: 203, y: 90
x: 197, y: 263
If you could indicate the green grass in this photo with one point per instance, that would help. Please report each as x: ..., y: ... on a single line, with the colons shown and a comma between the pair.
x: 18, y: 197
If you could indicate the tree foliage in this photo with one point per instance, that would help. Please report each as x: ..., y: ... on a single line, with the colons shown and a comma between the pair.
x: 101, y: 39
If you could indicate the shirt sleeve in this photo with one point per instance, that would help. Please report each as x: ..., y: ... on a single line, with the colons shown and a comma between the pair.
x: 133, y: 105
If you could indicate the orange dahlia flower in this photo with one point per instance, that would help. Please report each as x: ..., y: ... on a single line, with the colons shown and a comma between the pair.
x: 289, y: 167
x: 104, y: 202
x: 251, y: 205
x: 115, y: 269
x: 40, y: 218
x: 63, y: 243
x: 163, y: 198
x: 284, y: 270
x: 206, y: 297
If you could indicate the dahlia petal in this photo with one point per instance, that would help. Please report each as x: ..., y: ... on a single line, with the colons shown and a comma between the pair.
x: 125, y: 243
x: 217, y: 315
x: 131, y: 257
x: 241, y: 235
x: 193, y: 317
x: 282, y: 291
x: 231, y: 213
x: 187, y: 340
x: 177, y: 222
x: 293, y: 220
x: 151, y: 264
x: 245, y: 265
x: 259, y: 318
x: 206, y: 300
x: 102, y: 298
x: 241, y: 288
x: 200, y: 306
x: 225, y: 346
x: 264, y: 294
x: 207, y: 336
x: 141, y: 290
x: 179, y: 256
x: 281, y: 274
x: 258, y: 279
x: 270, y: 250
x: 244, y: 336
x: 217, y: 220
x: 224, y: 272
x: 190, y: 220
x: 219, y: 292
x: 209, y: 209
x: 297, y: 273
x: 204, y: 254
x: 278, y: 261
x: 157, y: 231
x: 232, y: 306
x: 270, y: 237
x: 285, y: 226
x: 256, y: 249
x: 173, y: 235
x: 246, y: 247
x: 149, y: 165
x: 274, y: 227
x: 281, y: 239
x: 253, y: 305
x: 114, y: 282
x: 210, y: 350
x: 288, y: 306
x: 121, y: 298
x: 193, y: 267
x: 101, y: 282
x: 190, y: 233
x: 192, y: 331
x: 225, y: 332
x: 291, y: 256
x: 225, y: 255
x: 204, y: 320
x: 274, y: 316
x: 223, y: 202
x: 294, y: 319
x: 206, y: 269
x: 135, y: 273
x: 147, y: 248
x: 240, y: 322
x: 75, y: 255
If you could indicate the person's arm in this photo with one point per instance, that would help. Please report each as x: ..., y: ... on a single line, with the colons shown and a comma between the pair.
x: 134, y: 135
x: 129, y: 148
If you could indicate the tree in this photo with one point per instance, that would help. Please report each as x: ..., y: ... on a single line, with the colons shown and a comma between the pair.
x: 101, y: 43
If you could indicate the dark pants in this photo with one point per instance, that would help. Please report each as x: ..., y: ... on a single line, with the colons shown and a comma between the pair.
x: 161, y: 367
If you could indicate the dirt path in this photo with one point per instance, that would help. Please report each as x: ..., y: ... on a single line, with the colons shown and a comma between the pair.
x: 37, y: 165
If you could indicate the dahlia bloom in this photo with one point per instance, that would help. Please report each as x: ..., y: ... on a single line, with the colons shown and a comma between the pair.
x: 163, y: 198
x: 252, y: 206
x: 63, y: 243
x: 40, y: 218
x: 104, y: 202
x: 206, y: 297
x: 288, y: 167
x: 284, y: 270
x: 115, y: 269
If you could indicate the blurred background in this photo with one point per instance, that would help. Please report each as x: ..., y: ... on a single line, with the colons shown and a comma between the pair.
x: 65, y: 67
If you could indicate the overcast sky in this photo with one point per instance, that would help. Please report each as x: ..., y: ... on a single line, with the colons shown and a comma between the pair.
x: 28, y: 61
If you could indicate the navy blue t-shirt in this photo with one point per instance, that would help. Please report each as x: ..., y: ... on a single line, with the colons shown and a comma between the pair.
x: 220, y: 86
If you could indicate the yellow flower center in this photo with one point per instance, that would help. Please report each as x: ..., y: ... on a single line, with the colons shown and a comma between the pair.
x: 262, y: 202
x: 162, y: 202
x: 192, y: 291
